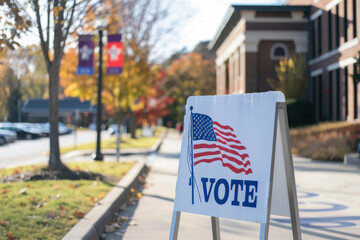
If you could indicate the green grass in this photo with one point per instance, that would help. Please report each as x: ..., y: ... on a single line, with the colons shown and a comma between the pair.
x: 49, y: 209
x: 126, y: 142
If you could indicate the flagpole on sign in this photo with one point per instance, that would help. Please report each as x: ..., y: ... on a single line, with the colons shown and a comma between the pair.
x: 191, y: 153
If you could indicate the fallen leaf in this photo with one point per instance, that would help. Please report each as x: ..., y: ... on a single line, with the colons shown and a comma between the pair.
x: 28, y: 186
x: 92, y: 199
x: 10, y: 236
x: 141, y: 179
x: 100, y: 196
x: 71, y: 186
x: 3, y: 223
x: 78, y: 214
x: 77, y: 168
x: 132, y: 190
x: 16, y: 171
x: 62, y: 207
x: 5, y: 191
x: 139, y: 195
x: 23, y: 191
x: 62, y: 214
x: 22, y: 204
x: 56, y: 186
x: 123, y: 219
x: 46, y: 199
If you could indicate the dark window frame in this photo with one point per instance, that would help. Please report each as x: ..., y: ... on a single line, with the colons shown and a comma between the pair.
x: 319, y: 34
x: 330, y: 29
x: 337, y: 27
x: 345, y: 21
x: 354, y: 19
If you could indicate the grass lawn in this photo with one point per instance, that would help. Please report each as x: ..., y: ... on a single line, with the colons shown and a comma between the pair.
x: 126, y: 142
x: 48, y: 209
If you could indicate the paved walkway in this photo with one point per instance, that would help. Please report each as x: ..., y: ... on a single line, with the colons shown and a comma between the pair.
x: 328, y: 194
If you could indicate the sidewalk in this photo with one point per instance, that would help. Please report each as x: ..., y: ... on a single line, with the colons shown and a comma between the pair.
x: 328, y: 195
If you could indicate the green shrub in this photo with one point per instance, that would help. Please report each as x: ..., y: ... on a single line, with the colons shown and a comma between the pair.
x: 300, y: 112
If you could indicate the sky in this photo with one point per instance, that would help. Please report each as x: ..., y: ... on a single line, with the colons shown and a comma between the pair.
x: 196, y: 20
x: 203, y: 19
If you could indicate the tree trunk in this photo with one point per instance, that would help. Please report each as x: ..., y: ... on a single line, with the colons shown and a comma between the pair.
x: 133, y: 124
x: 54, y: 159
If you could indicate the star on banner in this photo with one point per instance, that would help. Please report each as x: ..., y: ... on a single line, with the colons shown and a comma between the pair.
x: 114, y: 53
x: 85, y: 52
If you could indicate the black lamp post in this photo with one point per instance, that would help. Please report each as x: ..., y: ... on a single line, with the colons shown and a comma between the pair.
x: 97, y: 155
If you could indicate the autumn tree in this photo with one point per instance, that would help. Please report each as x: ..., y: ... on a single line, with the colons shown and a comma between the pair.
x: 291, y: 76
x: 9, y: 92
x: 139, y: 22
x: 14, y: 21
x: 55, y: 21
x: 190, y: 75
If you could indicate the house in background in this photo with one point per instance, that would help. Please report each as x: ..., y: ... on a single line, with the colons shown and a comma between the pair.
x: 252, y: 39
x: 37, y: 110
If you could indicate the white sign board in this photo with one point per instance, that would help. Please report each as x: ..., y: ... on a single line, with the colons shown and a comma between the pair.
x: 226, y: 156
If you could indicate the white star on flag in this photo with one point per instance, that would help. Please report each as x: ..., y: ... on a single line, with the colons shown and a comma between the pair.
x: 114, y: 53
x: 85, y: 52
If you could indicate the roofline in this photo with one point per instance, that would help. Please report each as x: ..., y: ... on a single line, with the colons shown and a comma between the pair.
x: 214, y: 43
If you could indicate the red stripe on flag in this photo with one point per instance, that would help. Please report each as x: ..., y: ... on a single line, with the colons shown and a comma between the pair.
x: 228, y: 139
x: 225, y: 133
x: 224, y: 127
x: 228, y: 165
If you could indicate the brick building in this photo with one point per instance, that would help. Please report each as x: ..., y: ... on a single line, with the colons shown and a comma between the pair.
x: 253, y: 38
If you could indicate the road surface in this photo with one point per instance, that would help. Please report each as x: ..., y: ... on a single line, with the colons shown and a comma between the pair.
x: 33, y: 151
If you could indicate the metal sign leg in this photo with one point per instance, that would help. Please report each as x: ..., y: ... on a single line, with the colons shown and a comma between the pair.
x: 174, y: 230
x: 215, y: 228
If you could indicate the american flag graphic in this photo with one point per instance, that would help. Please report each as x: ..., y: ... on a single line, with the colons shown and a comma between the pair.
x: 213, y: 142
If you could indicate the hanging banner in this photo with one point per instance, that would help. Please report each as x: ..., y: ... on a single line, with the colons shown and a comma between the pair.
x: 114, y: 54
x: 86, y: 55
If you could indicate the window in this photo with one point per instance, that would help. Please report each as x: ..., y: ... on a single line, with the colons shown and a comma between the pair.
x: 279, y: 51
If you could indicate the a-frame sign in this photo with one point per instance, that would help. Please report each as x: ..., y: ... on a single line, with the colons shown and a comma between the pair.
x: 236, y: 162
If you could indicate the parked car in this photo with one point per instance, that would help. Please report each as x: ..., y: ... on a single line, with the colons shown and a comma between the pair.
x: 62, y: 128
x: 21, y: 130
x: 113, y: 129
x: 3, y: 139
x: 11, y: 136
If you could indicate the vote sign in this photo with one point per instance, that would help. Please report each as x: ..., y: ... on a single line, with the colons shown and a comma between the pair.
x: 226, y: 155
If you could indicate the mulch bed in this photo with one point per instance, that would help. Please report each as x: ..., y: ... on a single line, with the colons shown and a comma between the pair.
x: 56, y: 175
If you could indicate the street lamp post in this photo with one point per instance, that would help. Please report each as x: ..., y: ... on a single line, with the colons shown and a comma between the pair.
x: 97, y: 155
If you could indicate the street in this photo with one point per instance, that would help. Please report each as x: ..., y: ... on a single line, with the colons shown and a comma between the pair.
x: 23, y: 152
x: 328, y: 195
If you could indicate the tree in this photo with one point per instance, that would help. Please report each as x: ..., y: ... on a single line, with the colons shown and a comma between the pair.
x: 139, y: 23
x: 9, y: 92
x: 61, y: 17
x: 291, y: 74
x: 188, y: 76
x: 14, y: 21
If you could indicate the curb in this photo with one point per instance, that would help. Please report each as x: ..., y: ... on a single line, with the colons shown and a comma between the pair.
x: 93, y: 224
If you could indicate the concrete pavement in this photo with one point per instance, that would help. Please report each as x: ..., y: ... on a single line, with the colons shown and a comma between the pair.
x: 328, y: 195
